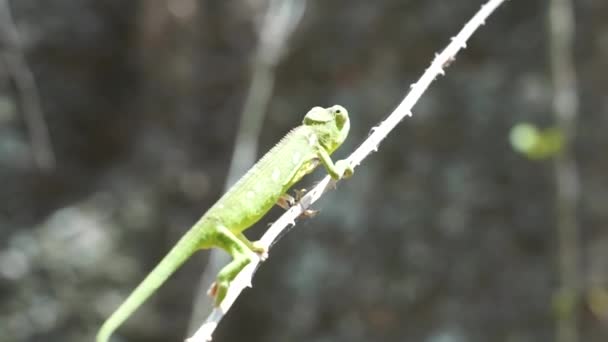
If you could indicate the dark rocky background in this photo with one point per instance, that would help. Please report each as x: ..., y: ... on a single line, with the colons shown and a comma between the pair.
x: 444, y: 235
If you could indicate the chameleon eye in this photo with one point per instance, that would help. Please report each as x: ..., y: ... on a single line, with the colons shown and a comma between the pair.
x: 338, y: 111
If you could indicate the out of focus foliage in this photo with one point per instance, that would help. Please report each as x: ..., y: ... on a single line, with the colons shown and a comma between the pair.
x: 534, y: 143
x: 446, y: 234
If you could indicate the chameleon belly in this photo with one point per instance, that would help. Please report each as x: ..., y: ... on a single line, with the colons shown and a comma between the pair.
x: 260, y: 188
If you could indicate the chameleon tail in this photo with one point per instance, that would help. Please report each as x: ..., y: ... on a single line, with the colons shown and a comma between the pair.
x: 182, y: 250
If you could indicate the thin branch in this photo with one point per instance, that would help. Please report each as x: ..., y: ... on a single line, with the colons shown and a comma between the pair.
x: 42, y: 150
x: 369, y: 145
x: 279, y: 22
x: 567, y: 182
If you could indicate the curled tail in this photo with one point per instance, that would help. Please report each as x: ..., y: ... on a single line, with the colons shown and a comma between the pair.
x: 184, y: 248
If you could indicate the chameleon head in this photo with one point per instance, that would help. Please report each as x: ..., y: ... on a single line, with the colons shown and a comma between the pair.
x: 331, y: 125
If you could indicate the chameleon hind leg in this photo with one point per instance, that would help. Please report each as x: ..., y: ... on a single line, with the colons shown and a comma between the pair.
x: 256, y: 246
x: 241, y: 254
x: 286, y: 201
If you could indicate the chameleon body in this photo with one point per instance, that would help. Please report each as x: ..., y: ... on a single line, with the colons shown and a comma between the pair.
x: 323, y: 130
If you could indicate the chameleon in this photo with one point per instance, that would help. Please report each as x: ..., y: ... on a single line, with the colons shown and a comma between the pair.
x: 298, y: 153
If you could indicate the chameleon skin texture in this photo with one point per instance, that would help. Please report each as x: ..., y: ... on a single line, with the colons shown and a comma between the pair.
x: 297, y: 154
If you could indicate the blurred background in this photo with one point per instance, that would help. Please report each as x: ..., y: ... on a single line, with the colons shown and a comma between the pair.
x: 119, y: 121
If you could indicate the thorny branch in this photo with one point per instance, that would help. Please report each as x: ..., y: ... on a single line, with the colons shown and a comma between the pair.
x: 244, y: 278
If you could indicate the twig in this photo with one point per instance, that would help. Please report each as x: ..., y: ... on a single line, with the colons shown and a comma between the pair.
x: 370, y: 144
x: 279, y: 22
x: 42, y: 150
x: 565, y: 107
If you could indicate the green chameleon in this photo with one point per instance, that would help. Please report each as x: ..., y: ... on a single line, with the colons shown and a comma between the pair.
x: 265, y: 184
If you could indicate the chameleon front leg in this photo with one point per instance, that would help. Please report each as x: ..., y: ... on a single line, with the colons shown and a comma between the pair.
x: 341, y: 169
x: 241, y: 256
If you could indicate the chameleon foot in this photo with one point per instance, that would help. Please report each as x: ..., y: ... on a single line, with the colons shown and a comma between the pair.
x: 212, y: 291
x: 260, y: 249
x: 309, y: 213
x: 217, y: 292
x: 286, y: 201
x: 344, y: 169
x: 299, y: 194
